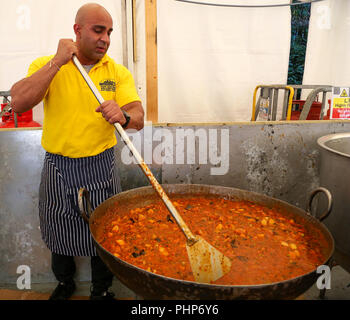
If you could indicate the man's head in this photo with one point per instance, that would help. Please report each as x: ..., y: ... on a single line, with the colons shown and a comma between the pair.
x: 93, y: 27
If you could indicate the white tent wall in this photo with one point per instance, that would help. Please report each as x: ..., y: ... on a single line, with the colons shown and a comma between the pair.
x: 32, y: 28
x: 327, y: 56
x: 211, y: 58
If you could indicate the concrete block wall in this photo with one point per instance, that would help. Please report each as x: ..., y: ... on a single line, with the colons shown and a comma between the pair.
x: 280, y: 159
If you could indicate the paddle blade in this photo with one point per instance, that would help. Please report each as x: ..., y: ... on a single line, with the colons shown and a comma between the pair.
x: 208, y: 264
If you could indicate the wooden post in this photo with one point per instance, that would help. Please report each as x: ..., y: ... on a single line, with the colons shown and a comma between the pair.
x: 151, y: 60
x: 134, y: 30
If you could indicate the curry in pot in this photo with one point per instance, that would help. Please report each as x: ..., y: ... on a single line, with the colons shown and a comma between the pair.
x: 264, y: 244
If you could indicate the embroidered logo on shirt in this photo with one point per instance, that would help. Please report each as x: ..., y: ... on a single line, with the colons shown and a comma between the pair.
x: 107, y: 85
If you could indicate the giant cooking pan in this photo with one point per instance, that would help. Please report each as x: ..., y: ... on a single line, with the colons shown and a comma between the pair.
x: 153, y: 286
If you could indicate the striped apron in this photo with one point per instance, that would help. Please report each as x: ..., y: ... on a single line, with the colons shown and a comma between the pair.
x: 62, y: 228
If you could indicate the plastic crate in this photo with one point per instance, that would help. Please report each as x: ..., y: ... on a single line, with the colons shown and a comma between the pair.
x: 24, y: 120
x: 314, y: 113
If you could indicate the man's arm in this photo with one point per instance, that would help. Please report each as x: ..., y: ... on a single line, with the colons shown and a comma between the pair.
x: 136, y: 113
x: 28, y: 92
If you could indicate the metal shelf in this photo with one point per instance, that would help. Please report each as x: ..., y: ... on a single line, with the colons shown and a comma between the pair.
x: 270, y: 92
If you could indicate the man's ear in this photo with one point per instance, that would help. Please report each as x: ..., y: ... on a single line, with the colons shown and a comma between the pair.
x: 77, y: 29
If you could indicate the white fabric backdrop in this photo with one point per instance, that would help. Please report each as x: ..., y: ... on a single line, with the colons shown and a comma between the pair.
x: 32, y: 28
x: 211, y: 58
x: 327, y: 55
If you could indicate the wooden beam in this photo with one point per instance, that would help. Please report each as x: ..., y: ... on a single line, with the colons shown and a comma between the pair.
x: 151, y: 60
x: 134, y: 30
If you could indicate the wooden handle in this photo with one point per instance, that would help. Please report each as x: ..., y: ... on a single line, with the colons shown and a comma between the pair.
x: 155, y: 184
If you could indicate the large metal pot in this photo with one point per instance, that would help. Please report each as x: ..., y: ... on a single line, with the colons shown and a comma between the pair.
x: 335, y: 176
x: 152, y: 286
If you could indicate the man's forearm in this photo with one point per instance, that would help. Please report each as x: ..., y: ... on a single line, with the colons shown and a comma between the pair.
x: 135, y: 110
x: 28, y: 92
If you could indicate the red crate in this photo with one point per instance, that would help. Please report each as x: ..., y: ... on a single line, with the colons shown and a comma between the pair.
x: 314, y: 113
x: 24, y: 119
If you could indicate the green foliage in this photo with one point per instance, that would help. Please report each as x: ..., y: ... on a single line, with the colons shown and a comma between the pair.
x: 300, y: 28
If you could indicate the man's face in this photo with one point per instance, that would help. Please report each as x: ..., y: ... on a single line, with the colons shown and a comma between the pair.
x: 93, y: 37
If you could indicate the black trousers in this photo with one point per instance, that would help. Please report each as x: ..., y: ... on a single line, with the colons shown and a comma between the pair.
x: 64, y: 268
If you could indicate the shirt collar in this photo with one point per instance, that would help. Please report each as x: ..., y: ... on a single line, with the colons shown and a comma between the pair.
x: 101, y: 62
x: 104, y: 60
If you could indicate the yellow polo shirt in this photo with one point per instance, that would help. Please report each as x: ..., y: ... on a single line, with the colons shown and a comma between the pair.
x: 71, y: 126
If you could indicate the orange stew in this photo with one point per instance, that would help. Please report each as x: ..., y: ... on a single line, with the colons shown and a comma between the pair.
x: 263, y: 244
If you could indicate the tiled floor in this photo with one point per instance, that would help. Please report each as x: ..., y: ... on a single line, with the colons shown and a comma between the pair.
x: 340, y: 290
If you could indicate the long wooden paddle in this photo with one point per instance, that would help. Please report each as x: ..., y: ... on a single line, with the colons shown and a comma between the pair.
x: 208, y: 264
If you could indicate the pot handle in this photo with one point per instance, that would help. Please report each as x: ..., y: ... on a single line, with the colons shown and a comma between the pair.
x: 329, y: 199
x: 84, y: 194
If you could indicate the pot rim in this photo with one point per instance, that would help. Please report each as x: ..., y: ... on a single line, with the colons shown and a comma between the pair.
x: 324, y: 139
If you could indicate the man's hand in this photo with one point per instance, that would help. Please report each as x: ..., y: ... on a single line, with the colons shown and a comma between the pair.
x: 111, y: 112
x: 66, y: 49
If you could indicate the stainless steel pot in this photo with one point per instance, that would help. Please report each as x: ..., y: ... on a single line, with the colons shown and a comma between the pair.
x: 335, y: 176
x: 153, y: 286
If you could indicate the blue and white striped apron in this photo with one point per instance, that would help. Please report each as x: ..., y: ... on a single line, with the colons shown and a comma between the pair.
x: 62, y: 228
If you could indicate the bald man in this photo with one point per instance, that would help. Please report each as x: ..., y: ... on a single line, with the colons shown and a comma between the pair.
x: 79, y: 140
